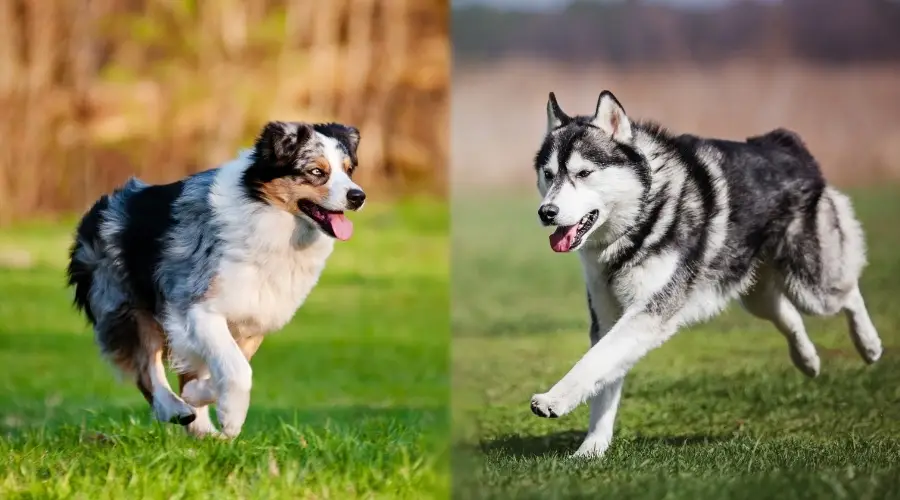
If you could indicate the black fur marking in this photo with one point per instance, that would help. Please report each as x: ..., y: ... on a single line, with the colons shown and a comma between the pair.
x: 543, y: 154
x: 664, y: 302
x: 636, y: 239
x: 669, y: 237
x: 594, y: 332
x: 276, y: 153
x: 283, y: 149
x: 578, y: 133
x: 143, y: 239
x: 347, y: 136
x: 786, y: 139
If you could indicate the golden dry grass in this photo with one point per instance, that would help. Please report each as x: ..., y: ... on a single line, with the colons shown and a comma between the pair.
x: 93, y: 91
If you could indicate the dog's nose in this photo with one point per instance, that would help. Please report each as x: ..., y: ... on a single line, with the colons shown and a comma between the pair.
x: 356, y: 197
x: 548, y: 213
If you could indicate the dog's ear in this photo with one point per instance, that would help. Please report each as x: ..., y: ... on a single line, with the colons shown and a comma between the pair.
x: 345, y: 134
x: 279, y: 143
x: 555, y: 115
x: 611, y: 118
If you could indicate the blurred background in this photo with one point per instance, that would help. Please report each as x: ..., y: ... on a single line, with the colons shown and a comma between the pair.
x: 828, y: 69
x: 93, y: 91
x: 350, y: 398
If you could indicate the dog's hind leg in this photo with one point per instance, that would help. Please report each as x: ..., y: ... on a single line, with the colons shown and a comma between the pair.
x: 765, y: 300
x: 151, y: 372
x: 134, y: 343
x: 821, y: 266
x: 862, y: 331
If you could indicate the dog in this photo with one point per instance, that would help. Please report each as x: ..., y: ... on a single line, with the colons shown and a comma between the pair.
x: 196, y: 272
x: 670, y: 228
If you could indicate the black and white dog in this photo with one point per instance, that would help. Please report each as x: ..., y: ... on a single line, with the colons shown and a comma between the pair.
x: 199, y: 270
x: 670, y: 228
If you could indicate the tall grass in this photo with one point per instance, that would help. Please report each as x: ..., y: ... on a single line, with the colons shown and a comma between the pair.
x: 93, y: 91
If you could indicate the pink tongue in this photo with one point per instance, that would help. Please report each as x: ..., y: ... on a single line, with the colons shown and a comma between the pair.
x: 340, y: 226
x: 562, y: 239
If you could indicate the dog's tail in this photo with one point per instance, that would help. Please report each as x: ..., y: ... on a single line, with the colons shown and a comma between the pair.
x: 784, y: 139
x: 85, y: 256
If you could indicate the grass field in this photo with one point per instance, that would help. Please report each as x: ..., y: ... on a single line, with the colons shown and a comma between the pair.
x: 718, y: 412
x: 350, y: 400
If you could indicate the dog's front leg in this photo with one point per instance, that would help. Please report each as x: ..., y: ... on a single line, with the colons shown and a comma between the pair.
x: 229, y: 370
x: 606, y: 363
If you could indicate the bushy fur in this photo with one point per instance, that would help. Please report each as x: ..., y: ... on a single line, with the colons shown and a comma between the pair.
x: 671, y: 228
x: 197, y: 271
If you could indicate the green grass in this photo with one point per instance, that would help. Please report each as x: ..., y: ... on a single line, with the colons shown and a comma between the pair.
x: 349, y: 400
x: 717, y: 412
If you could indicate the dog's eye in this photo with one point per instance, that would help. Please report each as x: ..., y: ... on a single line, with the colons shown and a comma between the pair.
x: 548, y: 175
x: 584, y: 173
x: 317, y: 172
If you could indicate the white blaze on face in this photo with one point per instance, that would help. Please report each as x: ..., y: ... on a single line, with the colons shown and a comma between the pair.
x: 339, y: 183
x: 575, y: 197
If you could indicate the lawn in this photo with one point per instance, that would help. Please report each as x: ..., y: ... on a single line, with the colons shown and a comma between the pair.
x: 718, y: 412
x: 349, y: 400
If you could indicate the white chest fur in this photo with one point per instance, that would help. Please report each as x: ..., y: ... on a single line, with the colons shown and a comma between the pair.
x: 270, y: 260
x: 260, y: 292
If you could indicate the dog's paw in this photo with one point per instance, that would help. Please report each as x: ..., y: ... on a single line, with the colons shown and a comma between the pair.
x: 869, y: 349
x: 543, y: 406
x: 231, y: 410
x: 204, y: 431
x: 591, y: 448
x: 171, y: 409
x: 807, y: 362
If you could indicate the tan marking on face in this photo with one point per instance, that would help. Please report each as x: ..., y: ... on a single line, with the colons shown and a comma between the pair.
x: 286, y: 192
x: 322, y: 162
x: 348, y: 166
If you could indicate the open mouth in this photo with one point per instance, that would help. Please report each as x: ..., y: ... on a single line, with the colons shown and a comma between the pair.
x: 568, y: 238
x: 332, y: 223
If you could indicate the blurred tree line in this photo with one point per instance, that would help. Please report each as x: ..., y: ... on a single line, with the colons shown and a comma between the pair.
x: 94, y: 91
x: 639, y: 32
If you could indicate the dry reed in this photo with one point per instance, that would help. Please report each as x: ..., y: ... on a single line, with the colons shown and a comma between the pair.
x: 94, y: 91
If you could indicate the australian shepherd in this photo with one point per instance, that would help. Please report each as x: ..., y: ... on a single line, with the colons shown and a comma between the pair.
x: 196, y: 272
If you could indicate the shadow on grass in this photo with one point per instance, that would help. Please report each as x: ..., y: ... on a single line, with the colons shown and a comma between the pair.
x: 113, y: 420
x: 566, y: 442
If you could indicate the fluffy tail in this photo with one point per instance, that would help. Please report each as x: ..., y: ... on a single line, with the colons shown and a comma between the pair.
x: 84, y: 256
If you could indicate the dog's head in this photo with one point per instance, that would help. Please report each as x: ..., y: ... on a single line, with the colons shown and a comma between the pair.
x: 306, y: 169
x: 588, y: 169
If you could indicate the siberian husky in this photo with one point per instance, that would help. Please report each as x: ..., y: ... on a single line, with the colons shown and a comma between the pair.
x: 670, y: 228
